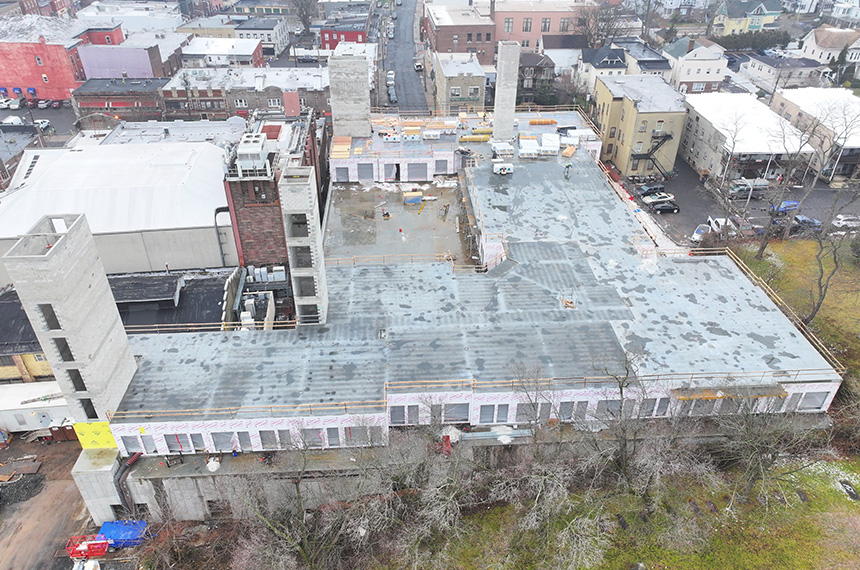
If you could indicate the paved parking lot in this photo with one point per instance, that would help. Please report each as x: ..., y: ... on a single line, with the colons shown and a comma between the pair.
x: 696, y: 203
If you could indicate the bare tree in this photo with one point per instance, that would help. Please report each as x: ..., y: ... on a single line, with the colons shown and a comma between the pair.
x: 756, y: 437
x: 600, y: 24
x: 306, y: 10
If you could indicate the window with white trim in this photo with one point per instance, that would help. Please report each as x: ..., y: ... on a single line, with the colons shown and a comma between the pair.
x: 241, y: 103
x: 274, y: 102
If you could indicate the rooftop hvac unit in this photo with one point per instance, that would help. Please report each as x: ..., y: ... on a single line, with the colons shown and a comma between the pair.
x: 251, y: 153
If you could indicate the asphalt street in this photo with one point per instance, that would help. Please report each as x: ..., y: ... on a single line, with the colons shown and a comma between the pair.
x: 62, y: 120
x: 399, y: 53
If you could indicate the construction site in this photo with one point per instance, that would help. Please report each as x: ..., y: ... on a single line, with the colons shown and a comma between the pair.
x: 420, y: 292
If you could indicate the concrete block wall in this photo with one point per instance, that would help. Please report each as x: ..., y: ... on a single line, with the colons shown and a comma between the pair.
x: 350, y: 96
x: 57, y: 263
x: 507, y: 74
x: 93, y: 474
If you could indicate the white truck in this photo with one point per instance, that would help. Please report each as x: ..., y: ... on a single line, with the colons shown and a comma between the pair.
x: 503, y: 168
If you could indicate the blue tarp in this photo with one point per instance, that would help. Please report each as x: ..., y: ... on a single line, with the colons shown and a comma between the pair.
x: 123, y: 534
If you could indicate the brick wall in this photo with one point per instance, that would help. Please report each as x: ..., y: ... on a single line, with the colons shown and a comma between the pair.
x: 258, y: 221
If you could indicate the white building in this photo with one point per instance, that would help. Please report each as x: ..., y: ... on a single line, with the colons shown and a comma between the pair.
x: 734, y: 135
x: 770, y: 73
x: 696, y: 68
x: 149, y: 206
x: 825, y: 43
x: 565, y: 50
x: 600, y: 62
x: 134, y: 16
x: 222, y: 52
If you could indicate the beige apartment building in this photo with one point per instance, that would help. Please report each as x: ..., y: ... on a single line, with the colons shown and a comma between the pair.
x: 640, y: 118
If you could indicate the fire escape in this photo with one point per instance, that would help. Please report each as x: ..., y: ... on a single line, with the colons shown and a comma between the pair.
x: 658, y: 139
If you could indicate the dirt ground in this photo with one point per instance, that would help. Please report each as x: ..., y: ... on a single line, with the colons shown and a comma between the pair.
x: 31, y: 532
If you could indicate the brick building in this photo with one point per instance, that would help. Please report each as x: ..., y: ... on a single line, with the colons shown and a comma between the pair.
x: 47, y: 7
x: 346, y: 30
x: 125, y: 99
x: 40, y: 55
x: 222, y: 93
x: 452, y: 30
x: 141, y: 55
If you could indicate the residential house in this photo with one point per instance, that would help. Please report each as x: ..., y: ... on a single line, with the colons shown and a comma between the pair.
x: 47, y: 7
x: 215, y: 52
x: 134, y: 16
x: 825, y: 43
x: 641, y: 118
x: 601, y: 62
x: 21, y: 356
x: 696, y: 68
x: 460, y: 30
x: 537, y: 75
x: 845, y: 14
x: 458, y: 83
x: 666, y: 8
x: 526, y: 21
x: 800, y: 6
x: 40, y: 54
x: 222, y: 93
x: 352, y: 30
x: 734, y: 135
x: 274, y: 33
x: 642, y: 60
x: 769, y: 73
x: 564, y: 49
x: 832, y: 115
x: 124, y: 99
x: 740, y: 16
x: 141, y: 55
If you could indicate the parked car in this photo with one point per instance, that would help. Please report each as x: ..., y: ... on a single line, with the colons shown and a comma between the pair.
x: 43, y: 124
x: 723, y: 226
x: 4, y: 103
x: 701, y: 231
x: 392, y: 95
x: 307, y: 59
x: 846, y: 221
x: 668, y: 207
x: 398, y: 3
x: 649, y: 189
x: 391, y: 35
x: 394, y: 15
x: 745, y: 227
x: 807, y: 224
x: 32, y: 103
x: 45, y: 103
x: 658, y: 197
x: 784, y: 207
x: 418, y: 66
x: 19, y: 103
x: 59, y: 104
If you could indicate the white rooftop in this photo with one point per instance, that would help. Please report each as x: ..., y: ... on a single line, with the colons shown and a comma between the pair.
x: 220, y: 46
x: 219, y: 133
x: 29, y: 28
x: 837, y: 109
x: 119, y: 187
x: 256, y: 78
x: 456, y: 16
x: 167, y: 42
x: 109, y: 9
x: 14, y: 394
x: 652, y: 94
x: 748, y: 125
x: 462, y: 63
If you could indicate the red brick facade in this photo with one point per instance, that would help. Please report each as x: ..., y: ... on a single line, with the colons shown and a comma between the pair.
x: 257, y: 221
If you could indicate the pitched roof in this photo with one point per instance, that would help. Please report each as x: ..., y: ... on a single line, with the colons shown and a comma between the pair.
x: 741, y: 8
x: 835, y: 38
x: 679, y: 48
x: 531, y: 59
x: 564, y: 41
x: 605, y: 58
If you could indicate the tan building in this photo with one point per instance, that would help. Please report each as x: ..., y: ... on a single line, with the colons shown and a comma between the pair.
x: 459, y: 83
x: 641, y: 118
x: 221, y: 26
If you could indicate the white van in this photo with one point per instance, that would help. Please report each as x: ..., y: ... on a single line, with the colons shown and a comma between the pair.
x: 744, y: 188
x: 12, y: 120
x: 503, y: 168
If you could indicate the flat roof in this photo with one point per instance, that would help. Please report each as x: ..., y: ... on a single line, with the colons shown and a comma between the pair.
x: 219, y: 21
x: 573, y: 240
x: 456, y: 16
x: 29, y: 28
x: 16, y: 333
x: 14, y: 139
x: 454, y: 66
x: 748, y: 125
x: 111, y: 8
x: 252, y: 78
x: 219, y: 133
x: 120, y: 188
x: 651, y: 92
x: 14, y: 394
x: 167, y: 42
x: 199, y: 298
x: 120, y: 86
x: 836, y: 108
x: 259, y: 24
x: 220, y: 46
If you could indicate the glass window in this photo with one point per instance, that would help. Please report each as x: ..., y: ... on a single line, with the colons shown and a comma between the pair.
x: 333, y: 437
x: 489, y: 36
x: 643, y: 126
x: 397, y: 415
x: 527, y: 24
x: 455, y: 92
x: 241, y: 103
x: 456, y: 413
x: 509, y: 25
x: 813, y: 400
x: 563, y: 25
x: 468, y: 38
x: 609, y: 408
x: 545, y: 24
x: 526, y: 43
x: 502, y: 414
x: 612, y: 131
x: 487, y: 415
x: 474, y: 91
x: 478, y: 37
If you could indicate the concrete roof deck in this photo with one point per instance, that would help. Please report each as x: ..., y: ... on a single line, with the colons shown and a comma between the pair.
x: 651, y: 92
x: 309, y: 78
x: 696, y: 321
x: 199, y: 47
x: 219, y: 133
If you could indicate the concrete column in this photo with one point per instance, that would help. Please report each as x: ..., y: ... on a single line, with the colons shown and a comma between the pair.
x: 507, y: 74
x: 350, y: 91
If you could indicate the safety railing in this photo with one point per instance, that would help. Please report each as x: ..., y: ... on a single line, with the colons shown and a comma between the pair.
x: 208, y: 327
x: 356, y: 407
